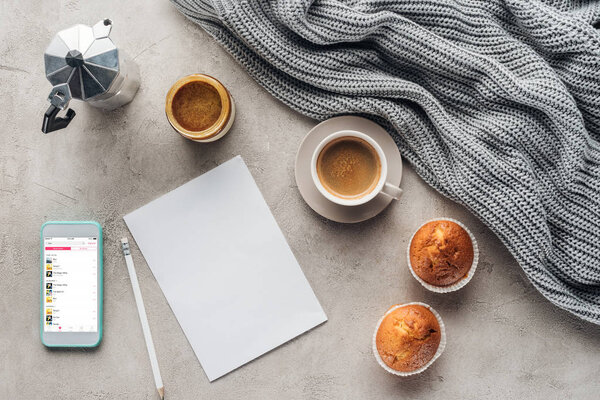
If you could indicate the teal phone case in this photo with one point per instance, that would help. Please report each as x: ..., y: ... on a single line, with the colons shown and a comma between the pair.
x: 100, y: 289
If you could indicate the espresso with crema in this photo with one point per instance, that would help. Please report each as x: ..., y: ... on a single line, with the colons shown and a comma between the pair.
x: 349, y: 167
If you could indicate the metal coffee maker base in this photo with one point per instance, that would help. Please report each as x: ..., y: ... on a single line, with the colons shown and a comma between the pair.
x: 83, y: 63
x: 123, y: 90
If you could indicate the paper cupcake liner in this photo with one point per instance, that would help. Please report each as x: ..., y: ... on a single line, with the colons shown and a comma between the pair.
x: 438, y: 353
x: 460, y: 283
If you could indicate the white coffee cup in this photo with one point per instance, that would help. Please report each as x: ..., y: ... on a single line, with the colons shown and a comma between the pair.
x: 382, y: 185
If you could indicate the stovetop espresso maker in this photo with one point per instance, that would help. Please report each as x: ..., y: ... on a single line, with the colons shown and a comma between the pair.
x: 83, y: 63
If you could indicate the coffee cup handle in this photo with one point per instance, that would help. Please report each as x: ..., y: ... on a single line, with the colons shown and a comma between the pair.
x: 391, y: 190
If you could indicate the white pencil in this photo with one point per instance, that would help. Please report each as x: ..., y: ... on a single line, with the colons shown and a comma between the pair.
x: 143, y: 319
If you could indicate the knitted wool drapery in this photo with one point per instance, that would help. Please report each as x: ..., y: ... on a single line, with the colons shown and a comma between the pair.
x: 496, y: 104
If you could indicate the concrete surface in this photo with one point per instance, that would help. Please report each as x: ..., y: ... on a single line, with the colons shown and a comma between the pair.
x: 504, y: 339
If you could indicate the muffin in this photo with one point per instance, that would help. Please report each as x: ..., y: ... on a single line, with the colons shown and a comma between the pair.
x: 408, y: 338
x: 441, y: 253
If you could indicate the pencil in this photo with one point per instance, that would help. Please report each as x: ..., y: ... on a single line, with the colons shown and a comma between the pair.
x: 143, y: 318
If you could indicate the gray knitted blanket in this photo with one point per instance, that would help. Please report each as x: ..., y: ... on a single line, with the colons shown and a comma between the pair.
x: 496, y: 104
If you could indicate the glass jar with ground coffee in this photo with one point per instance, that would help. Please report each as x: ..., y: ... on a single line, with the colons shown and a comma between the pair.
x: 200, y: 108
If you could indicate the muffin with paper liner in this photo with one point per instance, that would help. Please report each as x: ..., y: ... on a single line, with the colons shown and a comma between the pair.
x: 409, y: 338
x: 443, y: 255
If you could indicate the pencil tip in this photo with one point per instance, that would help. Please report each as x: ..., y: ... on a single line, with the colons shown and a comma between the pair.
x: 161, y: 392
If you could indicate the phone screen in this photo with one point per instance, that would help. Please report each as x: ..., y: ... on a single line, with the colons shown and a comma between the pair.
x: 70, y: 294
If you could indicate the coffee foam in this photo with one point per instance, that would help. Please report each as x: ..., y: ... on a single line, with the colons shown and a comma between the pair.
x: 348, y: 167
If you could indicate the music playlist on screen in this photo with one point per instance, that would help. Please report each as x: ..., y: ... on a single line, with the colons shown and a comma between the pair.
x: 70, y: 292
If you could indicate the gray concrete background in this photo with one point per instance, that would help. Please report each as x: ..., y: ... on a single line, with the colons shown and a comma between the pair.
x: 504, y: 339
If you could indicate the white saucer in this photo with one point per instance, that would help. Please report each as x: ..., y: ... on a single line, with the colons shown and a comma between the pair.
x: 309, y: 191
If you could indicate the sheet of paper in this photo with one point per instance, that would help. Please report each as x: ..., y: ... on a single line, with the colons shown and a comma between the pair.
x: 225, y: 268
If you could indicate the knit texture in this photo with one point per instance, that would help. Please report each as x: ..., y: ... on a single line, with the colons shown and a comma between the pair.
x: 495, y: 103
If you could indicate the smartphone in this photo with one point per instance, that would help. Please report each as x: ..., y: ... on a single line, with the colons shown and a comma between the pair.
x: 71, y: 284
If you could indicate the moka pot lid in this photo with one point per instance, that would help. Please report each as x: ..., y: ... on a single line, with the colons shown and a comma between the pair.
x: 83, y: 59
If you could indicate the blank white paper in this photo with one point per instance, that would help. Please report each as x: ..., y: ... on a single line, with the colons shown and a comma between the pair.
x: 225, y: 268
